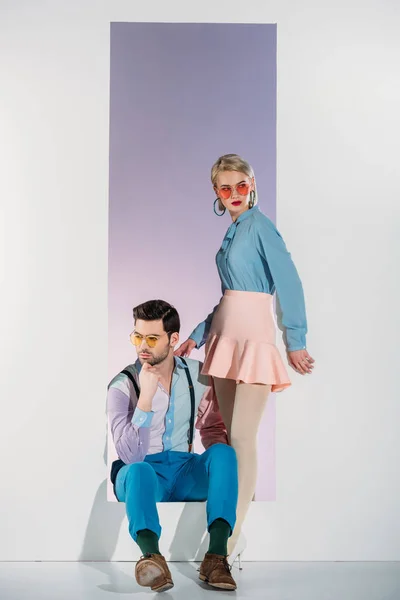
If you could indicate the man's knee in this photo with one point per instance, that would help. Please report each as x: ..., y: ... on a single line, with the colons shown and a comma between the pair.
x: 139, y: 473
x: 222, y: 452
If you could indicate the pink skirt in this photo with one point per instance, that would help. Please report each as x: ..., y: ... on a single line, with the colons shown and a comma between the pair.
x: 241, y: 342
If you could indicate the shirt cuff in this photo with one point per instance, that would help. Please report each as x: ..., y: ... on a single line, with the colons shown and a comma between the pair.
x: 197, y: 337
x: 198, y: 334
x: 142, y: 418
x: 296, y: 339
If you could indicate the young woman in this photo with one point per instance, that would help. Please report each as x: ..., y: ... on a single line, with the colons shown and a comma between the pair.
x: 239, y: 333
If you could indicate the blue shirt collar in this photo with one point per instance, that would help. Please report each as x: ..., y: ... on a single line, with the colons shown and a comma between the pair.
x: 246, y: 214
x: 179, y: 362
x: 232, y: 228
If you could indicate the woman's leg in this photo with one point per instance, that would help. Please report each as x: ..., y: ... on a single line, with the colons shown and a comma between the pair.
x: 241, y: 407
x: 249, y: 404
x: 225, y: 390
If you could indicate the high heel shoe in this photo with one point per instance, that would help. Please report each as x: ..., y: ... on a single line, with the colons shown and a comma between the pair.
x: 239, y: 548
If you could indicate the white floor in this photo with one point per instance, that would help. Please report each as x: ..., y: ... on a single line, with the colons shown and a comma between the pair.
x: 257, y: 580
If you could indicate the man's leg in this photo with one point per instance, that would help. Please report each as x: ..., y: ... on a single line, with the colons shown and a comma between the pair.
x: 138, y: 486
x: 213, y: 476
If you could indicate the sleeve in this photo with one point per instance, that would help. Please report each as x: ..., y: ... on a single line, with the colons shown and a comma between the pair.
x: 209, y: 422
x: 287, y: 283
x: 130, y: 426
x: 202, y: 381
x: 200, y: 333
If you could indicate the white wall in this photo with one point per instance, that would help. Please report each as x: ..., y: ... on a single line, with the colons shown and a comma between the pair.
x: 338, y: 183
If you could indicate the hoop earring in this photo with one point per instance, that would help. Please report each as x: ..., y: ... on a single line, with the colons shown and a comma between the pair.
x: 221, y: 213
x: 252, y: 199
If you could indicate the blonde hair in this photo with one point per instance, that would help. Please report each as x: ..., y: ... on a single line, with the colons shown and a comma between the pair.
x: 232, y: 162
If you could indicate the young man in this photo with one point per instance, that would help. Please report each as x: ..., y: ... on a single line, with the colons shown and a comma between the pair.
x: 151, y: 407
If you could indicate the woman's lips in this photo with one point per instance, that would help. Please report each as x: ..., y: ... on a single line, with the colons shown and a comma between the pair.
x: 236, y: 203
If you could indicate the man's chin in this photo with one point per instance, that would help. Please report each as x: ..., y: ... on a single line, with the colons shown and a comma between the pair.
x: 146, y: 359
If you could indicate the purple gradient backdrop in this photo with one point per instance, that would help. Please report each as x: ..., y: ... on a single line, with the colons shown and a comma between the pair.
x: 182, y: 95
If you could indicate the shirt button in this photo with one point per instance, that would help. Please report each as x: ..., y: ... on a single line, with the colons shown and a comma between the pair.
x: 167, y: 438
x: 169, y: 421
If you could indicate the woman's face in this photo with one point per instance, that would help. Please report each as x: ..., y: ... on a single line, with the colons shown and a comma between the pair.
x: 233, y: 189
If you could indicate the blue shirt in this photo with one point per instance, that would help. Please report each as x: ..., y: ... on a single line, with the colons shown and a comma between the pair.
x: 137, y: 433
x: 253, y: 258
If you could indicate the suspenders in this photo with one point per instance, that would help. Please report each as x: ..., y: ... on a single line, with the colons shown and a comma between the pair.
x: 192, y: 404
x: 192, y: 398
x: 133, y: 381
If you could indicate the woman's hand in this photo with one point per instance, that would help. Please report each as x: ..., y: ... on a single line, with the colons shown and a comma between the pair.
x: 186, y: 348
x: 301, y: 361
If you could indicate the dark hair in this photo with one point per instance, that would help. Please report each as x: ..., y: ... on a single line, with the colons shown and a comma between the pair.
x: 154, y: 310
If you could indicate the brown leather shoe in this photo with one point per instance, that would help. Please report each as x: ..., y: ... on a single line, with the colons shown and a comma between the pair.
x: 152, y: 571
x: 216, y: 571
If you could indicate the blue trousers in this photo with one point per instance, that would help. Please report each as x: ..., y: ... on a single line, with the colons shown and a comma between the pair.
x: 179, y: 477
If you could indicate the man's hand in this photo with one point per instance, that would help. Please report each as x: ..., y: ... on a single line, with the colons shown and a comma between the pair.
x: 186, y: 348
x: 301, y: 361
x: 148, y: 380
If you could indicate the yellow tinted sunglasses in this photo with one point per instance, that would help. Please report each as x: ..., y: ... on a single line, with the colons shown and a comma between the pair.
x: 151, y: 340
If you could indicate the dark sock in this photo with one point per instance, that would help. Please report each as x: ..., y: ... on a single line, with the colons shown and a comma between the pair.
x: 148, y: 542
x: 219, y: 531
